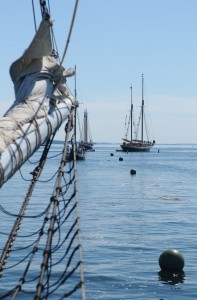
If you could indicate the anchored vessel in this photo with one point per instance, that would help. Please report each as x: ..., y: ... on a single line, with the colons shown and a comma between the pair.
x: 137, y: 144
x: 86, y: 140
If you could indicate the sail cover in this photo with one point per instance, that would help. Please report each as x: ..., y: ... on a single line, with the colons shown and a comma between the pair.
x: 42, y: 103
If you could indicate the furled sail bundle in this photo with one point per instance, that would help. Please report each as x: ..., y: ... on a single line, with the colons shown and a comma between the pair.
x: 42, y: 102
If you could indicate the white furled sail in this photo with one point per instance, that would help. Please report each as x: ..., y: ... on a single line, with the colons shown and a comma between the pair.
x: 42, y: 102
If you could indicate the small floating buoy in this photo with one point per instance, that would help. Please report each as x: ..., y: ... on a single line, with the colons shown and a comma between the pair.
x: 171, y: 260
x: 112, y: 154
x: 120, y: 159
x: 158, y: 150
x: 133, y: 172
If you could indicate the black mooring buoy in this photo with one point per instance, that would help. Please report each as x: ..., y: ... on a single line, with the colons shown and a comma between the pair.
x: 112, y: 154
x: 133, y: 172
x: 120, y: 159
x: 171, y: 260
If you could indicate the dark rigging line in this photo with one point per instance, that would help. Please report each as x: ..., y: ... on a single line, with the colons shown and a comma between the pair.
x: 34, y: 15
x: 70, y: 31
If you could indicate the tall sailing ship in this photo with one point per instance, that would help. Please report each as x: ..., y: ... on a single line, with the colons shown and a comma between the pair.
x: 135, y: 144
x: 86, y: 140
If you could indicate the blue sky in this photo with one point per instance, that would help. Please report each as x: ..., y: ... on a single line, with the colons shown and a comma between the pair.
x: 112, y: 44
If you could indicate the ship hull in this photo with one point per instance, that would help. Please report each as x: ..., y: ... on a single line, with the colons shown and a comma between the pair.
x: 133, y: 147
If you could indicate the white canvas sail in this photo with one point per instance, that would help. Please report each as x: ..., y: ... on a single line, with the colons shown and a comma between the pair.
x: 42, y: 103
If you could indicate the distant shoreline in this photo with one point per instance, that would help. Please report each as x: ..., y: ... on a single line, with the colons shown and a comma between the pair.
x: 118, y: 143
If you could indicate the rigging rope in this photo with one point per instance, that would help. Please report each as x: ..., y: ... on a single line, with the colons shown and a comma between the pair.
x: 43, y: 8
x: 53, y: 242
x: 70, y: 31
x: 77, y: 207
x: 54, y: 199
x: 36, y: 173
x: 62, y: 220
x: 34, y: 15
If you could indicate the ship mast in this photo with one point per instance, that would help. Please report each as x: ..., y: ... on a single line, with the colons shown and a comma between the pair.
x: 75, y: 91
x: 131, y: 115
x: 86, y: 126
x: 142, y: 129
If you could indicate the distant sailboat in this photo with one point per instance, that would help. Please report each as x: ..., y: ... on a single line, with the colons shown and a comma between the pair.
x: 86, y: 141
x: 80, y: 150
x: 137, y: 144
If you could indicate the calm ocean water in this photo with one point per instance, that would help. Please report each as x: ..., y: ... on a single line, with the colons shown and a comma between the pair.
x: 128, y: 221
